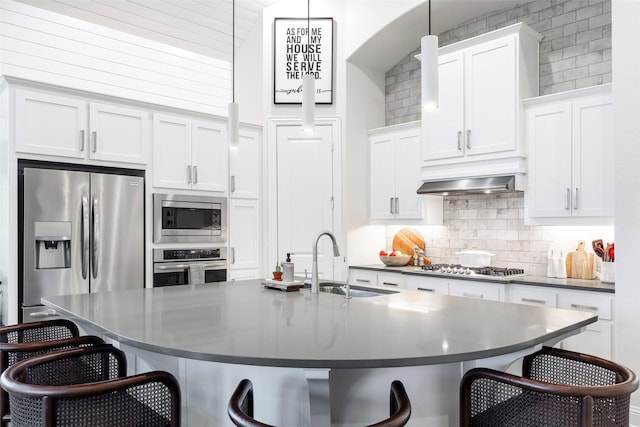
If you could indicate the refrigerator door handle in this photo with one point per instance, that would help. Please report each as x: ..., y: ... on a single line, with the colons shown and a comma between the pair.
x: 85, y: 236
x: 96, y: 238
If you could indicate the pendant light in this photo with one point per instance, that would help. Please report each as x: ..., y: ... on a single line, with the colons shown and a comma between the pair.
x: 429, y: 68
x: 233, y: 124
x: 308, y: 89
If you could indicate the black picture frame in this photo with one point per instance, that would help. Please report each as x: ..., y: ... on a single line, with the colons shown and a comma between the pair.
x: 291, y: 59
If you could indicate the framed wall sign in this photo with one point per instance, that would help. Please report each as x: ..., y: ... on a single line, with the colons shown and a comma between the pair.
x: 295, y: 54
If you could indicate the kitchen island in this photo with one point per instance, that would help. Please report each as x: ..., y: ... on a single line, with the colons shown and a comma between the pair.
x: 312, y: 357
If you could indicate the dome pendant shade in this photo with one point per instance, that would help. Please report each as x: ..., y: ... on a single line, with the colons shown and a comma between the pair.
x: 429, y: 71
x: 308, y: 102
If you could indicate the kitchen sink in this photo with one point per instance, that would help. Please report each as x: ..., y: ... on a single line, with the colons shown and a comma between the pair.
x: 354, y: 291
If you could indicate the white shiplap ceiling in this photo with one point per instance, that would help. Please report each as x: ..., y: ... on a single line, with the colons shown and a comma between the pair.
x: 201, y: 26
x: 205, y: 26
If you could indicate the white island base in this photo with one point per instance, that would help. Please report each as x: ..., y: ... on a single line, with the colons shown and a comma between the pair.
x: 317, y: 397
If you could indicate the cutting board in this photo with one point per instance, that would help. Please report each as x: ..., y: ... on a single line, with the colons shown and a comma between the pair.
x: 405, y: 239
x: 581, y: 264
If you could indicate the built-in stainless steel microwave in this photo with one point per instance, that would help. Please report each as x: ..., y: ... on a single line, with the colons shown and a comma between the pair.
x: 181, y: 218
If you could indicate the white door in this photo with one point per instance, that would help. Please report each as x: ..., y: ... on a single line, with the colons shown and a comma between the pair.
x: 244, y: 165
x: 593, y: 185
x: 209, y: 156
x: 549, y: 141
x: 383, y: 176
x: 304, y: 176
x: 443, y: 127
x: 407, y: 179
x: 50, y: 124
x: 490, y: 93
x: 171, y: 151
x: 118, y: 134
x: 244, y: 234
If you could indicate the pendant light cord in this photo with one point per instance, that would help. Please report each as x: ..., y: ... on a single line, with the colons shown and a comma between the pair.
x: 429, y: 17
x: 308, y: 30
x: 233, y: 51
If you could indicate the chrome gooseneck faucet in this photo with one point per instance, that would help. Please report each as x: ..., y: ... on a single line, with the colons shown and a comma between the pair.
x: 314, y: 271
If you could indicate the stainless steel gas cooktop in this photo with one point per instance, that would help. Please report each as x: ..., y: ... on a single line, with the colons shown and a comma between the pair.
x: 495, y: 273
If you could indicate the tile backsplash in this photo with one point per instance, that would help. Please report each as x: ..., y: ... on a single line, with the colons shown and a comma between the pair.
x: 495, y: 223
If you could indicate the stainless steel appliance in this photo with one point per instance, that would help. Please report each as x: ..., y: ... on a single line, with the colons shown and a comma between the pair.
x: 493, y: 273
x: 176, y: 266
x: 189, y: 219
x: 80, y: 232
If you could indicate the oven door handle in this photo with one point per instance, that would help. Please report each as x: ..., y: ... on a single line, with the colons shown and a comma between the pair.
x: 181, y: 267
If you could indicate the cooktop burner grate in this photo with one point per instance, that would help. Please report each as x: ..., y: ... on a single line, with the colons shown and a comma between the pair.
x: 457, y: 269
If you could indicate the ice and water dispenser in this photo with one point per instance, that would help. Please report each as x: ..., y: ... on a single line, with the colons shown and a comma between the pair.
x: 53, y: 245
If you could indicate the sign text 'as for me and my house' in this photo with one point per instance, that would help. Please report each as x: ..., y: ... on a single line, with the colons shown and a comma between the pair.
x: 300, y: 48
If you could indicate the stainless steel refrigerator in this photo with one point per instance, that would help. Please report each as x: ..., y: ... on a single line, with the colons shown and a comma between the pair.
x: 81, y: 232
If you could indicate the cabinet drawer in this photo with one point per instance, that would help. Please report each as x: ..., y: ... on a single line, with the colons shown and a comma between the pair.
x: 600, y: 305
x: 362, y: 278
x: 435, y: 285
x: 487, y: 291
x: 391, y: 280
x: 533, y: 296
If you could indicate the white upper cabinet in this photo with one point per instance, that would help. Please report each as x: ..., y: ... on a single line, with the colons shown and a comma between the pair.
x: 189, y: 154
x: 569, y: 140
x: 244, y: 165
x: 475, y: 131
x: 395, y: 172
x: 56, y: 125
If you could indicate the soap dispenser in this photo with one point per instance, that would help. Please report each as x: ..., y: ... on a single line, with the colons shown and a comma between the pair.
x: 562, y: 267
x: 287, y: 268
x: 551, y: 266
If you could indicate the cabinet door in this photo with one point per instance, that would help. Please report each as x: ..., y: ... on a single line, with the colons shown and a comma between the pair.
x: 408, y: 204
x: 118, y: 134
x: 383, y: 177
x: 593, y: 166
x: 549, y: 144
x: 443, y: 127
x: 596, y: 340
x: 244, y: 234
x: 244, y: 166
x: 171, y: 152
x: 491, y: 105
x: 209, y: 156
x: 50, y: 124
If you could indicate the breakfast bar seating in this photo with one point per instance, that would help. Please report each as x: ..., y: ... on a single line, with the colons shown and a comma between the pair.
x: 89, y: 387
x: 557, y: 388
x: 21, y: 341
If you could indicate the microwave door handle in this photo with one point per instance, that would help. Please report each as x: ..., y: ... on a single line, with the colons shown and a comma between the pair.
x: 171, y: 268
x: 85, y: 236
x: 96, y: 239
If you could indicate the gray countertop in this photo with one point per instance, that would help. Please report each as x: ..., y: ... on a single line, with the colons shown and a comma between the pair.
x: 241, y: 322
x: 571, y: 284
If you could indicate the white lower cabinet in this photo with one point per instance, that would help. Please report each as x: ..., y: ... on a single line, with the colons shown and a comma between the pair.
x: 478, y: 290
x: 244, y: 241
x: 427, y: 284
x: 373, y: 278
x: 597, y: 338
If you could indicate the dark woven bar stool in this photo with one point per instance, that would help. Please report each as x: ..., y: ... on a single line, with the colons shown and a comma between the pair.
x: 21, y: 341
x: 88, y: 387
x: 240, y: 407
x: 557, y: 388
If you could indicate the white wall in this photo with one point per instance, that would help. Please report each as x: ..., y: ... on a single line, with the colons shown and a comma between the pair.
x: 626, y: 102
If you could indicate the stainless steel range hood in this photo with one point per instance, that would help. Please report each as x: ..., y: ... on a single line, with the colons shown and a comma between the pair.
x: 482, y: 185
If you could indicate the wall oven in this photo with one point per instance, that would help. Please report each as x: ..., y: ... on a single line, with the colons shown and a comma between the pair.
x: 189, y: 219
x: 173, y: 267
